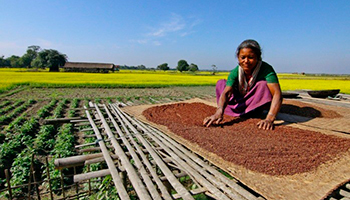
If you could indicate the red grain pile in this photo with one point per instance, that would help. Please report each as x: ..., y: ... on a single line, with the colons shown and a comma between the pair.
x: 283, y: 151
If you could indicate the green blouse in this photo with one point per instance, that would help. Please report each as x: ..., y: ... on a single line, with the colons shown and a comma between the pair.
x: 266, y: 73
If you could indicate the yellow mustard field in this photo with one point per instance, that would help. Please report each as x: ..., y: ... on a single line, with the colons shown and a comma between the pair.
x: 148, y: 78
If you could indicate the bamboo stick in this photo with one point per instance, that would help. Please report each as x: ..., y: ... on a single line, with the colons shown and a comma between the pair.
x: 101, y: 159
x: 133, y: 177
x: 193, y: 171
x: 232, y: 184
x: 194, y: 192
x: 30, y: 177
x: 90, y: 175
x: 197, y: 167
x: 163, y: 188
x: 89, y: 149
x: 153, y: 191
x: 344, y: 193
x: 74, y: 160
x: 34, y: 179
x: 114, y: 172
x: 172, y: 179
x: 62, y: 184
x: 60, y: 120
x: 8, y: 183
x: 48, y: 177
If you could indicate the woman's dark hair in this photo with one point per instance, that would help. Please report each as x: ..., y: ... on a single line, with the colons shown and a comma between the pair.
x: 251, y: 44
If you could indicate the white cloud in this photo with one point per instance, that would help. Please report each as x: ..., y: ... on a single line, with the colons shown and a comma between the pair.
x: 175, y: 26
x: 176, y: 23
x: 186, y: 33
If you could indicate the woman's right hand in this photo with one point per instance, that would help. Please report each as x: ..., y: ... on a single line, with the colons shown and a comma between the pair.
x: 216, y: 118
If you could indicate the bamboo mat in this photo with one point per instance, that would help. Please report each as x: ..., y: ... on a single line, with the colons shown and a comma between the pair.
x: 315, y: 184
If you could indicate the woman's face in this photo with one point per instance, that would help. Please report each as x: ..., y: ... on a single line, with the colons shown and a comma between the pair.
x: 247, y: 60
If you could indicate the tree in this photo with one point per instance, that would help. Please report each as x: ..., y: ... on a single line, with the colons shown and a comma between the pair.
x: 4, y: 62
x: 14, y: 61
x: 49, y: 58
x: 182, y: 65
x: 163, y: 66
x: 193, y: 67
x: 214, y: 69
x: 141, y: 67
x: 29, y: 56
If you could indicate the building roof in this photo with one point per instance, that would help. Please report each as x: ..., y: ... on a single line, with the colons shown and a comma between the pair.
x: 87, y: 65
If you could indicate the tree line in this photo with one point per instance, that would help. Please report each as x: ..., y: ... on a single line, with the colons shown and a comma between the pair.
x: 182, y: 65
x: 35, y: 57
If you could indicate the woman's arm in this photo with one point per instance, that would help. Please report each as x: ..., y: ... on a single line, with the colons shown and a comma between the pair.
x: 218, y: 116
x: 267, y: 124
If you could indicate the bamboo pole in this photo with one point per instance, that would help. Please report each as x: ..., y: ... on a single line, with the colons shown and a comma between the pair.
x: 192, y: 171
x: 35, y: 183
x: 30, y: 178
x: 60, y: 120
x: 62, y: 184
x: 114, y: 172
x: 165, y: 189
x: 133, y: 177
x: 93, y: 149
x: 76, y: 183
x: 153, y: 191
x: 8, y: 183
x: 48, y: 177
x: 199, y: 169
x: 89, y: 183
x: 74, y: 160
x: 101, y: 159
x: 194, y: 191
x: 90, y: 175
x: 172, y: 179
x: 232, y: 184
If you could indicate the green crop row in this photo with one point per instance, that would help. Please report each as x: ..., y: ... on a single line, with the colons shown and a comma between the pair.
x: 63, y: 147
x: 45, y: 140
x: 20, y: 171
x: 58, y: 112
x: 16, y: 122
x: 5, y: 119
x: 74, y: 104
x: 5, y: 103
x: 11, y: 148
x: 18, y: 149
x: 45, y: 110
x: 6, y: 109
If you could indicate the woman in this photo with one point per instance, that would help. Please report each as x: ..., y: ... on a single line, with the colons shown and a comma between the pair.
x: 251, y: 86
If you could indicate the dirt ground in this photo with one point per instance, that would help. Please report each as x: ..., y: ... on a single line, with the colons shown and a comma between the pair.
x: 337, y: 121
x: 93, y: 93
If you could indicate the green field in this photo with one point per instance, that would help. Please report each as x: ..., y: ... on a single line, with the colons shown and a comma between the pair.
x: 149, y: 78
x: 29, y: 97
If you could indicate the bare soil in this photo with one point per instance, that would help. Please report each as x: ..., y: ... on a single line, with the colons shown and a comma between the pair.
x: 92, y: 93
x: 283, y: 151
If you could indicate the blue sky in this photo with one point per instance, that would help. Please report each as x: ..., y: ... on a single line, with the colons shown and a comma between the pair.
x: 296, y: 36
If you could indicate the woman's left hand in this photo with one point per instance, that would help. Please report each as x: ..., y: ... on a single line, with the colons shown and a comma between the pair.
x: 265, y: 124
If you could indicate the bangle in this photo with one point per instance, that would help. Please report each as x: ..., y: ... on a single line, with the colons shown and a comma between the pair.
x: 274, y: 116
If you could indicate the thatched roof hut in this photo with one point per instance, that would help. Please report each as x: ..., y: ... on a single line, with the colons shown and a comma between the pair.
x: 89, y: 67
